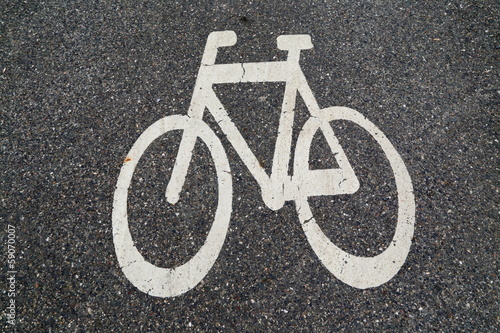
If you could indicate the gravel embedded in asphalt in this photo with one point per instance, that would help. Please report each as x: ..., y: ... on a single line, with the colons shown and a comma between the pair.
x: 80, y: 81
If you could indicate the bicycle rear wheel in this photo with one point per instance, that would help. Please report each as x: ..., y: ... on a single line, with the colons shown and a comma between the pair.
x: 151, y: 279
x: 357, y: 271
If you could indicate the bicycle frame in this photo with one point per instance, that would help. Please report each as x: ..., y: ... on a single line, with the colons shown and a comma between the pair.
x: 279, y: 186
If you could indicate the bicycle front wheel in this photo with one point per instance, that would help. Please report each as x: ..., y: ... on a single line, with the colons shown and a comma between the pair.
x: 357, y: 271
x: 151, y: 279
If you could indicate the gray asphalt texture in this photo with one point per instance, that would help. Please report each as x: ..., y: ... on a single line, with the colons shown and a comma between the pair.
x: 81, y: 80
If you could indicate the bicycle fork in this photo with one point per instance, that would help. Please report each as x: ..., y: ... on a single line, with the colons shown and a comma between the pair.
x: 196, y: 109
x: 185, y: 152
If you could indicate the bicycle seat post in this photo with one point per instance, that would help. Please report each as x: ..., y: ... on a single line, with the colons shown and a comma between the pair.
x: 215, y: 40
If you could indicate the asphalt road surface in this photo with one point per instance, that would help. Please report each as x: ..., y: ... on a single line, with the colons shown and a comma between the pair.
x: 80, y: 82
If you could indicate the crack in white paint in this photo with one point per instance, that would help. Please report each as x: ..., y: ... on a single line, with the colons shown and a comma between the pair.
x: 243, y: 68
x: 359, y: 272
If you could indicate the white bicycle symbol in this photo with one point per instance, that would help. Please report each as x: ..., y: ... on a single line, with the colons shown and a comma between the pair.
x: 356, y: 271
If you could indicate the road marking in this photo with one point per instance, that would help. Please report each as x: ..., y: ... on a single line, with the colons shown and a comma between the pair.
x: 359, y: 272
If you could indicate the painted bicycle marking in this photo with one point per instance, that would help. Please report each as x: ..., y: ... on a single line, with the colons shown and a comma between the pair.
x: 278, y: 187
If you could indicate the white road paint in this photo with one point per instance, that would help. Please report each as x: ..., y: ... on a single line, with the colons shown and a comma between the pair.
x: 167, y: 282
x: 359, y: 272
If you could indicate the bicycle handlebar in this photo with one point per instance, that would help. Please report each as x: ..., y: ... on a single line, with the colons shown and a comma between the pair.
x: 222, y: 38
x: 227, y: 38
x: 215, y: 40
